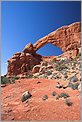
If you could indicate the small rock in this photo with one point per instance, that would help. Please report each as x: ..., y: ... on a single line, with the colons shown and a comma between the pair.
x: 42, y: 69
x: 38, y: 82
x: 65, y: 76
x: 59, y: 85
x: 64, y: 87
x: 45, y: 97
x: 3, y: 85
x: 57, y: 97
x: 36, y: 68
x: 8, y: 110
x: 26, y: 95
x: 49, y: 66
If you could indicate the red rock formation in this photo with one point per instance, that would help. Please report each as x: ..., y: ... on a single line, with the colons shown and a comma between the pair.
x: 66, y: 38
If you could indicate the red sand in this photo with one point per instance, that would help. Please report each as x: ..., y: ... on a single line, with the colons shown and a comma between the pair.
x: 36, y: 108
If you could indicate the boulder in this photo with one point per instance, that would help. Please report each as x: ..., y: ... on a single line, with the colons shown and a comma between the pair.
x: 26, y: 95
x: 36, y: 68
x: 28, y: 48
x: 49, y: 66
x: 43, y: 68
x: 45, y: 97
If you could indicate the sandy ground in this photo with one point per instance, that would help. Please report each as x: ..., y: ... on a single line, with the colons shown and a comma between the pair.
x: 37, y: 109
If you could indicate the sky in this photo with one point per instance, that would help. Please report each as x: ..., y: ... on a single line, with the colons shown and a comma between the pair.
x: 24, y: 22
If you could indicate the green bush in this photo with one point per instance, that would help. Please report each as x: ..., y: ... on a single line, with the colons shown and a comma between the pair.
x: 78, y: 56
x: 73, y: 78
x: 35, y: 77
x: 64, y: 95
x: 54, y: 93
x: 16, y: 77
x: 57, y: 97
x: 49, y: 73
x: 4, y: 80
x: 45, y: 63
x: 53, y: 61
x: 44, y: 76
x: 12, y: 80
x: 60, y: 67
x: 73, y: 86
x: 29, y: 76
x: 31, y: 67
x: 68, y: 102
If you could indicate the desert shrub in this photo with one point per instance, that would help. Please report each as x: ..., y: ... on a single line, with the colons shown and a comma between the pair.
x: 12, y: 80
x: 29, y: 76
x: 64, y: 95
x: 23, y: 77
x: 49, y: 73
x: 4, y: 80
x: 73, y: 86
x: 43, y: 71
x: 35, y: 77
x: 68, y: 102
x: 74, y: 79
x: 45, y: 63
x: 53, y: 61
x: 16, y: 77
x: 45, y: 97
x: 60, y: 67
x: 66, y: 76
x: 78, y: 55
x: 54, y: 93
x: 64, y: 72
x: 57, y: 97
x: 44, y: 76
x: 31, y: 67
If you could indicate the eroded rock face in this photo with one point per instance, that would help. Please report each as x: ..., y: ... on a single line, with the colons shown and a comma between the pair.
x: 22, y: 63
x: 66, y: 38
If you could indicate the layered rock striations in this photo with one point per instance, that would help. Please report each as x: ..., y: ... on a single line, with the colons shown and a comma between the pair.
x: 66, y: 38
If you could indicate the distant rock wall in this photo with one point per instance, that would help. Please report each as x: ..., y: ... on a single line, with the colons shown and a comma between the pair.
x: 66, y: 38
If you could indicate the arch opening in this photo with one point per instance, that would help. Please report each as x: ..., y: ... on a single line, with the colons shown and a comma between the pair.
x: 50, y: 50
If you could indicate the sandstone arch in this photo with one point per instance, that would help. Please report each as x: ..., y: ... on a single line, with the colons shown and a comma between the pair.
x: 66, y: 38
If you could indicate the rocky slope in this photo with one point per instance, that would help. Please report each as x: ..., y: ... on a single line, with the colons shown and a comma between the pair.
x: 67, y: 38
x: 55, y: 92
x: 36, y: 108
